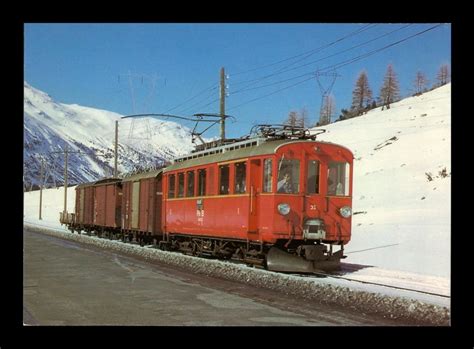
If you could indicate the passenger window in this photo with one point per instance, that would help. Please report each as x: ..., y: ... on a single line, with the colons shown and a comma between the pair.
x: 201, y: 182
x: 180, y: 185
x: 240, y: 173
x: 288, y: 176
x: 171, y: 186
x: 190, y: 190
x: 338, y: 179
x: 224, y: 179
x: 267, y: 175
x: 312, y: 183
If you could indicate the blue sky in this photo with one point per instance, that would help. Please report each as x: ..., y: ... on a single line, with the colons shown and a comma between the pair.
x: 175, y: 67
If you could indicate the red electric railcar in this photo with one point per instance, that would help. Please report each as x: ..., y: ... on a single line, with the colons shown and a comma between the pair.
x: 279, y: 202
x: 282, y: 200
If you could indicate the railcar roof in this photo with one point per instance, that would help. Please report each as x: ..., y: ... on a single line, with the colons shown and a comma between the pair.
x: 83, y: 185
x: 268, y: 147
x: 142, y: 175
x: 107, y: 180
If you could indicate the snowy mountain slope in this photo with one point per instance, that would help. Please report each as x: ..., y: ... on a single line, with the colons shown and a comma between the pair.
x: 402, y: 183
x: 402, y: 195
x: 50, y: 126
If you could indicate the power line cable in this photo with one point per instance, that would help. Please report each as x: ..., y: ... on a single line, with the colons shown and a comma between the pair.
x: 328, y: 45
x: 211, y: 88
x: 198, y: 103
x: 307, y: 52
x: 340, y: 64
x: 312, y: 62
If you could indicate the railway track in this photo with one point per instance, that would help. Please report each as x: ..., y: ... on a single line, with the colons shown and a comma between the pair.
x: 341, y: 275
x: 345, y: 269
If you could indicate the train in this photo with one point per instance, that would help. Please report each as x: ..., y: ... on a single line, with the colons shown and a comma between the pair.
x: 280, y: 200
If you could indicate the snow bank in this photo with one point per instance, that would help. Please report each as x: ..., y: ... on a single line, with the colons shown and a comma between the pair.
x: 402, y: 218
x: 402, y: 208
x: 324, y: 291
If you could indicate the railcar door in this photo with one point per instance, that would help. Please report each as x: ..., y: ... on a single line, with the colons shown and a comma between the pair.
x: 135, y: 204
x: 255, y: 170
x: 151, y: 204
x: 81, y: 206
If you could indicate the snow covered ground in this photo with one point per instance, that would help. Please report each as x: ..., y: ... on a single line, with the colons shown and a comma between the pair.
x: 402, y: 219
x: 401, y: 222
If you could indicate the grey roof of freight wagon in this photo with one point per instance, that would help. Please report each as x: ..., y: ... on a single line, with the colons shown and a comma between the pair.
x: 142, y: 175
x: 83, y: 185
x: 227, y: 153
x: 107, y: 180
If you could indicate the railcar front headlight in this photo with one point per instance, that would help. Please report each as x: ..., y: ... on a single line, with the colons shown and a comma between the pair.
x: 284, y: 209
x: 345, y: 211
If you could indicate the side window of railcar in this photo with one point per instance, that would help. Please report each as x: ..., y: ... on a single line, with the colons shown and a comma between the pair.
x: 240, y: 173
x: 224, y: 179
x: 338, y: 178
x: 288, y: 176
x: 171, y: 186
x: 181, y: 184
x: 267, y: 175
x: 312, y: 184
x: 201, y: 182
x: 190, y: 189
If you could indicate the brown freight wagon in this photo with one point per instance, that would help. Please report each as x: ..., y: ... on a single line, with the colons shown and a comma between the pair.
x: 84, y: 217
x: 107, y: 204
x: 141, y: 206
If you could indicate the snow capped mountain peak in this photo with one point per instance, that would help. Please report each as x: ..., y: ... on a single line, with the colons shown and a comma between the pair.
x: 50, y: 126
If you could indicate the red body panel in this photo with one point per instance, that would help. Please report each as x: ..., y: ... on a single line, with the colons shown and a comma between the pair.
x: 254, y: 214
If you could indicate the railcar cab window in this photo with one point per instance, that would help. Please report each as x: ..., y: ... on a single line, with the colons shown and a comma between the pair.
x: 288, y: 176
x: 240, y: 172
x: 338, y: 179
x: 224, y: 179
x: 171, y: 186
x: 181, y: 184
x: 312, y: 184
x: 190, y: 186
x: 201, y: 182
x: 267, y: 175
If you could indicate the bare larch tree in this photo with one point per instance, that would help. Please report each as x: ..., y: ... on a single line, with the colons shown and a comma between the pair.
x: 443, y: 75
x: 390, y: 92
x: 293, y: 119
x: 420, y: 83
x: 304, y: 117
x: 361, y: 95
x: 327, y: 110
